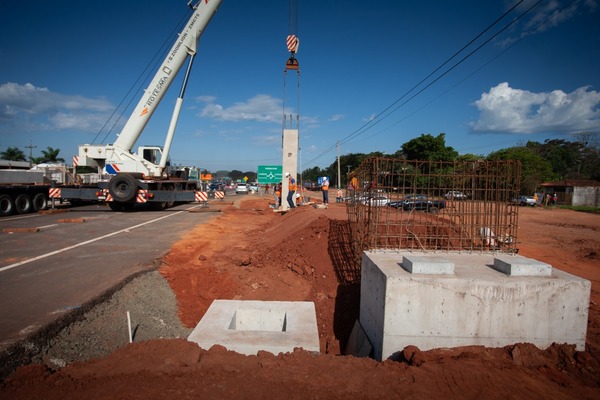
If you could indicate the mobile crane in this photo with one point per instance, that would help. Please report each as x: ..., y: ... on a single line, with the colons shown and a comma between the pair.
x: 144, y: 176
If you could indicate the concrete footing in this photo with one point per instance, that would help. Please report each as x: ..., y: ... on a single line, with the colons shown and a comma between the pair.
x: 449, y: 299
x: 248, y: 327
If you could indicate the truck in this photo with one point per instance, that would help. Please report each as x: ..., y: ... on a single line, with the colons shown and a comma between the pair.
x: 25, y: 189
x: 145, y: 176
x: 125, y: 178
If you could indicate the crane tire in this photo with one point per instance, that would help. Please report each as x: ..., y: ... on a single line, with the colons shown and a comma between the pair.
x: 122, y: 188
x: 39, y: 202
x: 23, y: 204
x: 6, y: 205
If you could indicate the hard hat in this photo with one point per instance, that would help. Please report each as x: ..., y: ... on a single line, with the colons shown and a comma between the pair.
x: 287, y: 174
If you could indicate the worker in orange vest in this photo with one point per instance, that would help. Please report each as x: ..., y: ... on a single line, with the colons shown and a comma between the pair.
x: 325, y: 190
x: 291, y: 190
x: 277, y: 193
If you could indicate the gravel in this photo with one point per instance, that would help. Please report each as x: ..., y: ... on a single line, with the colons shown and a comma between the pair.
x: 100, y: 327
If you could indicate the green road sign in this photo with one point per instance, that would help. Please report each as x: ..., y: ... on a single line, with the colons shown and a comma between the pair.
x: 269, y: 173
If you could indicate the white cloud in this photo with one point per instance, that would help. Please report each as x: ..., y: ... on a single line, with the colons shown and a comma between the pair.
x: 205, y: 99
x: 34, y: 108
x: 509, y: 110
x: 544, y: 16
x: 262, y: 108
x: 336, y: 117
x: 267, y: 140
x: 370, y: 118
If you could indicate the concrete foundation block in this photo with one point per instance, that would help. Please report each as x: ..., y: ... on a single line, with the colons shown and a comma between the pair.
x: 515, y: 265
x: 419, y: 264
x: 248, y: 327
x: 477, y: 305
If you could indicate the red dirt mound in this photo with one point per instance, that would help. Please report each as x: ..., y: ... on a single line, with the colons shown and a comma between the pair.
x: 250, y: 252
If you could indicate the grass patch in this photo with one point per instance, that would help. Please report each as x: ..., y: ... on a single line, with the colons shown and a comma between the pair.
x: 588, y: 209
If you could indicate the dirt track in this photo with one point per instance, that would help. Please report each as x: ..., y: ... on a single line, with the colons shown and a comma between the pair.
x: 249, y: 252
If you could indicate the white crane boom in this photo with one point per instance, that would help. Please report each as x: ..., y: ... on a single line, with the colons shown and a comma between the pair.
x: 185, y: 45
x: 118, y: 158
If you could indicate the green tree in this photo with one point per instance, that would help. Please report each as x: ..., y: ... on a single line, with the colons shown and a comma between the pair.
x: 236, y: 175
x: 470, y: 157
x: 13, y: 154
x: 251, y: 175
x: 429, y: 148
x: 588, y: 166
x: 311, y: 174
x: 534, y: 168
x: 50, y: 155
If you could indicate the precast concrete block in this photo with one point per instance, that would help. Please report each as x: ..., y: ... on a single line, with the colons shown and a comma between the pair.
x: 419, y: 264
x: 477, y: 305
x: 248, y: 327
x: 515, y: 265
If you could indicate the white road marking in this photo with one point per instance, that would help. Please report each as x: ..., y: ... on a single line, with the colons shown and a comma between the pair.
x: 19, y: 217
x: 11, y: 266
x: 46, y: 226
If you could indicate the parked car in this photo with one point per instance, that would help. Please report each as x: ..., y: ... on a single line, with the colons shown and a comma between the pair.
x: 241, y: 188
x: 400, y: 203
x: 419, y: 202
x: 310, y: 185
x: 376, y: 201
x: 525, y: 201
x: 455, y: 195
x: 215, y: 186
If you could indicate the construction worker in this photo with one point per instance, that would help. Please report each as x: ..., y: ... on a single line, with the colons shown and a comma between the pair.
x: 277, y: 193
x: 339, y: 196
x: 325, y: 190
x: 291, y: 190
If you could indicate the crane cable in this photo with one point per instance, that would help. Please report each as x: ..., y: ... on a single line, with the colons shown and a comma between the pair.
x: 292, y: 64
x: 380, y: 116
x: 143, y: 77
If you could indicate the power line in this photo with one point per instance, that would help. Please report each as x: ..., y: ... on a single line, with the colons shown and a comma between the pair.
x: 523, y: 36
x: 144, y: 76
x: 384, y: 113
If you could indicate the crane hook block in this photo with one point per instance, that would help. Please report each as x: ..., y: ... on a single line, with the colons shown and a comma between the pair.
x: 291, y: 63
x: 292, y: 42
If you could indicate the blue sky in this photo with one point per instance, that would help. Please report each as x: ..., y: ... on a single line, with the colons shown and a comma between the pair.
x: 66, y: 65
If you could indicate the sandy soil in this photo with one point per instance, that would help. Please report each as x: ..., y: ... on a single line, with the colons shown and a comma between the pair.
x: 250, y: 252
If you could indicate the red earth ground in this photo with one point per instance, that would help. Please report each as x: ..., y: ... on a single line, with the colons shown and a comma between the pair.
x: 250, y: 252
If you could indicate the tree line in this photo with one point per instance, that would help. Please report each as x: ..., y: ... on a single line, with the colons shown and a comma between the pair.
x: 50, y: 155
x: 552, y: 160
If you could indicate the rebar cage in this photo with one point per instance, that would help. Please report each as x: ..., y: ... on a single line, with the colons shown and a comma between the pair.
x: 434, y: 205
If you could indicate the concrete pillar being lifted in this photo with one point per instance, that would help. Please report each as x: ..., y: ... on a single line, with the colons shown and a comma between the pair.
x: 289, y: 163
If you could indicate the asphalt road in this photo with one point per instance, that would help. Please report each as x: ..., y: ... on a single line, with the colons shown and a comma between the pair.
x: 50, y: 264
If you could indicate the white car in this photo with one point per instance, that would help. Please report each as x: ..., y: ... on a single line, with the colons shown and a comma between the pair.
x: 241, y: 188
x: 455, y: 195
x: 376, y: 201
x: 525, y: 201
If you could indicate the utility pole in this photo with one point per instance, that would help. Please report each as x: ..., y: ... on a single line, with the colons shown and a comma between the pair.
x: 30, y: 147
x: 290, y: 136
x: 339, y: 185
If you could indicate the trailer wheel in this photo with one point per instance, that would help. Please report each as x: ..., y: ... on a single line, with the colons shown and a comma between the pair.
x: 23, y: 204
x: 6, y: 205
x: 122, y: 188
x: 172, y: 202
x: 39, y: 202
